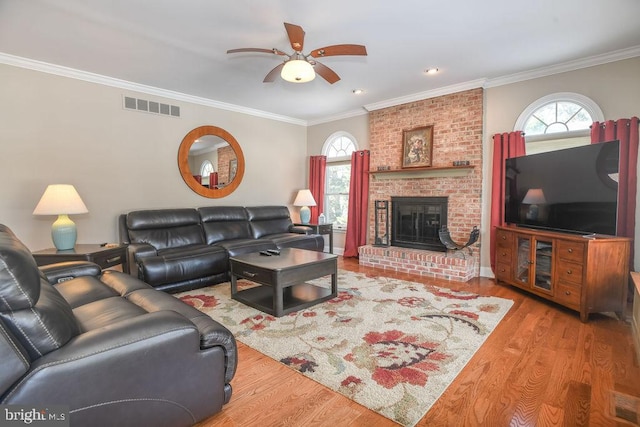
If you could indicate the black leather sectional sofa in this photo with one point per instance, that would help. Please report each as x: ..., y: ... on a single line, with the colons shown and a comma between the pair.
x: 180, y: 249
x: 107, y: 347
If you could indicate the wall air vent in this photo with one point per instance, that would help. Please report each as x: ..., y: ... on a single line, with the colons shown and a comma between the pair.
x: 151, y: 107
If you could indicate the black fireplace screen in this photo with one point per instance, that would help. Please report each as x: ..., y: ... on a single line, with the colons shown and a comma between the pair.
x: 416, y: 222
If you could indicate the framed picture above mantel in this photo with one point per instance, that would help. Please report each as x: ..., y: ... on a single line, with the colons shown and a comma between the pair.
x: 417, y: 147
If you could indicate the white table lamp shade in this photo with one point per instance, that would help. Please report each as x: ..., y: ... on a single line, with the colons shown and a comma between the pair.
x: 61, y: 200
x: 304, y: 199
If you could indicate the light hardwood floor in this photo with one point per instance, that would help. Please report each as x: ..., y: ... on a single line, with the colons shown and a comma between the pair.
x: 540, y: 367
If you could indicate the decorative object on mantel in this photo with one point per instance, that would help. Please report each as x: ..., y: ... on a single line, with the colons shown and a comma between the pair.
x: 381, y: 208
x: 445, y: 238
x: 417, y: 147
x: 304, y: 199
x: 61, y: 200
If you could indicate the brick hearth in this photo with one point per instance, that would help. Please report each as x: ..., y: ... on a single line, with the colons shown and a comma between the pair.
x: 440, y: 265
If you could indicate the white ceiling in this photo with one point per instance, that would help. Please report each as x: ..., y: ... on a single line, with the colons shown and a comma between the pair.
x: 180, y: 45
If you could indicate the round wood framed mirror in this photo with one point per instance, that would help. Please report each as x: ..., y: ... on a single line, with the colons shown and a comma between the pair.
x: 222, y: 151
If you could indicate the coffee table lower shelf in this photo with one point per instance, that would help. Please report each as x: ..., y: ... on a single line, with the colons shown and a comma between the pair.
x: 294, y: 298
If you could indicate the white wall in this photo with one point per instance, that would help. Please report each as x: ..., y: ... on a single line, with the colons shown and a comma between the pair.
x: 59, y: 130
x: 358, y: 126
x: 615, y: 87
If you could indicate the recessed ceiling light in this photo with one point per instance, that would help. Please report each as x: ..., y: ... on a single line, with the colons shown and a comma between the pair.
x: 431, y: 70
x: 358, y: 91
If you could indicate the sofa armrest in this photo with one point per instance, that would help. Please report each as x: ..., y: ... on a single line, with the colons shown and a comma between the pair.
x: 300, y: 229
x: 152, y: 357
x: 62, y: 271
x: 136, y: 251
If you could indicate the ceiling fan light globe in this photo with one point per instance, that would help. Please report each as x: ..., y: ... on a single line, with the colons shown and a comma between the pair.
x: 297, y: 71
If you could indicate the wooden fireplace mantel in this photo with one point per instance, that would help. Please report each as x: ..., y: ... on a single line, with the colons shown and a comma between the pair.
x: 426, y: 172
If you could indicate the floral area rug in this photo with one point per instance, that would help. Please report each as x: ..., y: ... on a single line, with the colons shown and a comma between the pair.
x: 391, y: 345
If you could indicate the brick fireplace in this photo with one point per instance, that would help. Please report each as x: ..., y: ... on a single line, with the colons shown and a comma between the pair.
x: 457, y: 120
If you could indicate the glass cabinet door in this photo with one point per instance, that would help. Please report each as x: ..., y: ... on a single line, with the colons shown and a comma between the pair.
x: 534, y: 263
x: 523, y: 269
x: 542, y: 277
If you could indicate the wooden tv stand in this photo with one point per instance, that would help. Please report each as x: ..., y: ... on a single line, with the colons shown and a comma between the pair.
x: 588, y: 274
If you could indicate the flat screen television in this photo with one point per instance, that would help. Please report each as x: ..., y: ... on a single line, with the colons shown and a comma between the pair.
x: 572, y: 190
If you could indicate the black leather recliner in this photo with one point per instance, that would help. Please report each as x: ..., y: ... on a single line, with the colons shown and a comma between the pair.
x: 109, y: 347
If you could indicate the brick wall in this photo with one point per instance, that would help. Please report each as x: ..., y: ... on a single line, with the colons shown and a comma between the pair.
x: 457, y: 120
x: 225, y: 155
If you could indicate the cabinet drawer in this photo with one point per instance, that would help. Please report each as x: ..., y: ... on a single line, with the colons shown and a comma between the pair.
x: 503, y: 254
x: 504, y: 238
x: 503, y: 271
x: 570, y: 272
x: 251, y: 272
x: 568, y: 294
x: 109, y: 260
x: 570, y: 251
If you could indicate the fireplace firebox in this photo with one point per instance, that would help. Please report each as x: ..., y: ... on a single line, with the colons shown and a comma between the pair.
x: 416, y: 221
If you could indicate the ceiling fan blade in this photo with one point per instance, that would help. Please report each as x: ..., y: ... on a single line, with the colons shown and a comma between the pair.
x: 340, y: 49
x: 273, y: 74
x: 296, y: 36
x: 257, y: 49
x: 325, y: 72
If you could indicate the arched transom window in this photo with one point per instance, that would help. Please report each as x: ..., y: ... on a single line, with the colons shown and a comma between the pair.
x: 206, y: 168
x: 338, y: 148
x: 557, y: 116
x: 558, y: 121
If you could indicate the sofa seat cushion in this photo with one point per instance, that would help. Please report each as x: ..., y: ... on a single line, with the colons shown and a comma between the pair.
x: 181, y: 264
x: 106, y: 312
x: 245, y: 246
x: 83, y: 290
x: 314, y: 242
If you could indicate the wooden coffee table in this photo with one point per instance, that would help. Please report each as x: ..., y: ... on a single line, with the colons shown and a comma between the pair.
x: 282, y: 279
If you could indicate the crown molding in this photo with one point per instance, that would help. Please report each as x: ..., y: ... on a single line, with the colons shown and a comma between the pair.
x: 345, y: 115
x: 564, y: 67
x: 447, y: 90
x: 592, y: 61
x: 59, y: 70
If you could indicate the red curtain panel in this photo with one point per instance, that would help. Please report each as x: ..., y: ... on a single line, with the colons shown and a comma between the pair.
x: 317, y: 172
x: 625, y: 131
x: 357, y: 224
x: 505, y: 146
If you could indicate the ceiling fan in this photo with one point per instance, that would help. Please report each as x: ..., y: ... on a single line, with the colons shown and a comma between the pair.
x: 301, y: 68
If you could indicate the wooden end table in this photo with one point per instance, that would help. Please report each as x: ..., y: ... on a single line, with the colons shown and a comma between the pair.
x: 283, y: 277
x: 104, y: 256
x: 321, y: 229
